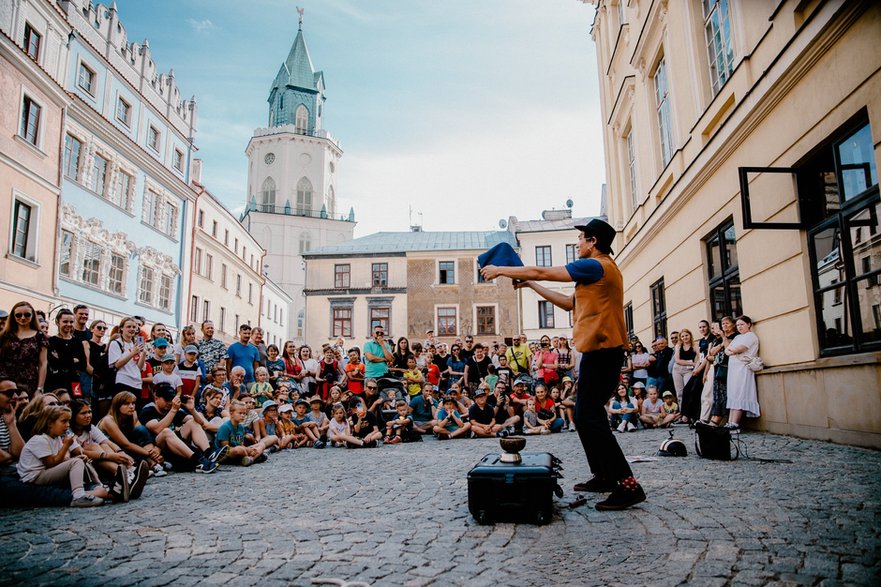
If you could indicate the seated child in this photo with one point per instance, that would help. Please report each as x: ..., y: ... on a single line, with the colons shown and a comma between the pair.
x: 303, y: 425
x: 274, y: 364
x: 285, y: 427
x: 261, y: 389
x: 231, y: 435
x: 168, y: 374
x: 46, y: 459
x: 400, y: 429
x: 546, y: 409
x: 317, y: 416
x: 265, y: 427
x: 364, y: 426
x: 339, y: 433
x: 670, y: 409
x: 531, y: 425
x: 450, y: 423
x: 652, y: 412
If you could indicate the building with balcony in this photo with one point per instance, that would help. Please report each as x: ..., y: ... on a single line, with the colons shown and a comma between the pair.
x: 408, y: 283
x: 741, y: 148
x: 33, y: 54
x: 293, y: 170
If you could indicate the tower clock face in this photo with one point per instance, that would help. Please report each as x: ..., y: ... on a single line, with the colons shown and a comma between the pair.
x: 270, y: 157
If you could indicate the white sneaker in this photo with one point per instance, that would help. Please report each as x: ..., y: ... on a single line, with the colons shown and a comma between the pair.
x: 158, y: 471
x: 621, y: 427
x: 630, y: 427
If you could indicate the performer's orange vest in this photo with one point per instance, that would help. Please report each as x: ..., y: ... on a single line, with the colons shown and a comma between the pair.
x: 598, y: 316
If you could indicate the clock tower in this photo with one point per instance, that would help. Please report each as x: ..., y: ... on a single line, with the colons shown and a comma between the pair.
x: 293, y: 168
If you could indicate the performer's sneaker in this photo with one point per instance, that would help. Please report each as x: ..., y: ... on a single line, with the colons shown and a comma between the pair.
x: 628, y: 493
x: 596, y: 485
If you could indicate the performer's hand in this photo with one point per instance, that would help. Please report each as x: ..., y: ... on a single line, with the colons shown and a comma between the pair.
x: 490, y: 272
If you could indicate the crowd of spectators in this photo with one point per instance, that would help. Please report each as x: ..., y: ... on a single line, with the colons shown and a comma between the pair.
x: 92, y: 412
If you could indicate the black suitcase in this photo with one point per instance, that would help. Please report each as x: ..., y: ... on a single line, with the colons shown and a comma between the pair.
x: 514, y: 492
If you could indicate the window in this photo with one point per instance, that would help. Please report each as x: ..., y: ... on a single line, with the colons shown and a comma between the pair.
x: 99, y: 174
x: 722, y: 270
x: 214, y: 228
x: 123, y: 112
x: 342, y: 322
x: 153, y: 138
x: 32, y: 41
x: 194, y: 309
x: 30, y: 121
x: 148, y: 214
x: 251, y: 293
x: 160, y: 212
x: 268, y: 202
x: 545, y: 314
x: 65, y: 253
x: 86, y: 79
x: 206, y: 314
x: 379, y: 273
x: 662, y: 103
x: 197, y: 261
x: 447, y: 272
x: 628, y: 319
x: 209, y: 266
x: 179, y: 160
x: 122, y: 195
x: 145, y: 286
x: 380, y: 316
x: 169, y: 218
x: 446, y: 322
x: 302, y: 120
x: 304, y: 197
x: 305, y: 242
x: 223, y: 283
x: 226, y: 237
x: 659, y: 309
x: 631, y: 167
x: 23, y: 242
x: 200, y: 218
x: 116, y: 277
x: 486, y: 320
x: 72, y: 147
x: 571, y: 253
x: 717, y: 27
x: 238, y: 285
x: 90, y: 270
x: 237, y: 246
x: 341, y: 275
x: 543, y: 256
x: 165, y: 292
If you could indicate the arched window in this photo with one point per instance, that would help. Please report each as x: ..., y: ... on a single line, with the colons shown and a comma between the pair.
x: 268, y: 195
x: 304, y: 197
x: 305, y: 242
x: 331, y: 202
x: 302, y: 119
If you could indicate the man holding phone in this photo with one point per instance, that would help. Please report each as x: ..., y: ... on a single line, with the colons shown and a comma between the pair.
x: 378, y: 355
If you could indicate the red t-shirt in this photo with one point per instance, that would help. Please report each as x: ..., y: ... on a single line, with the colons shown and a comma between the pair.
x: 432, y: 374
x: 356, y: 386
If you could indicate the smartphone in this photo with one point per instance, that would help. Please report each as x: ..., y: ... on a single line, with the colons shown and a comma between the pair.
x: 139, y: 340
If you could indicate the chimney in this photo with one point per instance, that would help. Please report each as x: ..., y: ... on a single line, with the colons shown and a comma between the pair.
x: 557, y: 214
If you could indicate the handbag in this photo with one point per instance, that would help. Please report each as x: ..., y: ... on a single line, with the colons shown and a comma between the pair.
x: 714, y: 442
x: 754, y: 364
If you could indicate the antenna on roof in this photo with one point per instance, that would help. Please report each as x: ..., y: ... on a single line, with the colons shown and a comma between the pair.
x: 569, y: 203
x: 503, y: 224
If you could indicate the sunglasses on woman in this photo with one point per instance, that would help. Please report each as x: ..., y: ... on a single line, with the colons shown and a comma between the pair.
x: 23, y: 315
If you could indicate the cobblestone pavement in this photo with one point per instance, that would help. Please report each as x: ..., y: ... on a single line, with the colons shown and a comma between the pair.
x: 398, y: 515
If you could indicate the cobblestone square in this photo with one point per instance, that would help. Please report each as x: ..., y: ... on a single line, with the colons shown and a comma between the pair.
x: 397, y: 515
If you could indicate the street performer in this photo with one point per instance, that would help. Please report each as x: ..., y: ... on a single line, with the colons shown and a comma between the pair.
x: 600, y: 335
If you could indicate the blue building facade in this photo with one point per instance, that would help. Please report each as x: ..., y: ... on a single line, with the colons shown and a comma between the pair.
x: 127, y: 207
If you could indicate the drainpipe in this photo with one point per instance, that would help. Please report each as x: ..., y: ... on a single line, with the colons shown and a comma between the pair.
x: 56, y: 262
x: 199, y: 192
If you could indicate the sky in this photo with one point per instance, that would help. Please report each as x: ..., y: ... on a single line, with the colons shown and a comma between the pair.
x: 452, y: 115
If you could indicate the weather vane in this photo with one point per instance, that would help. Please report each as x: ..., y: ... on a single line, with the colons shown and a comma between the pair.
x: 301, y: 11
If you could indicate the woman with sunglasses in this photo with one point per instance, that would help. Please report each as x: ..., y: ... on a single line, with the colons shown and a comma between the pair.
x: 24, y: 350
x: 100, y: 391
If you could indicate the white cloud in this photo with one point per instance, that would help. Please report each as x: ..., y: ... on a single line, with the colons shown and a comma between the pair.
x: 201, y: 26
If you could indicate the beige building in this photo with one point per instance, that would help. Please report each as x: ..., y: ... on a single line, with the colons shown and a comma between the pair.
x: 741, y: 145
x: 226, y: 281
x: 407, y: 282
x: 32, y: 55
x: 544, y: 243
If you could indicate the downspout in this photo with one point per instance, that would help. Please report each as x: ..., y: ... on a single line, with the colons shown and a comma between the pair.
x: 56, y: 263
x: 193, y: 251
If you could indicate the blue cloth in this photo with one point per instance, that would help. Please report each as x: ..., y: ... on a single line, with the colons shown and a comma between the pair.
x: 585, y: 271
x: 372, y: 369
x: 231, y: 433
x: 501, y: 255
x: 421, y: 410
x: 244, y: 356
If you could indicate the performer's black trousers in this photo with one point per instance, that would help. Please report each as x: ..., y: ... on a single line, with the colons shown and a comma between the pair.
x: 598, y: 376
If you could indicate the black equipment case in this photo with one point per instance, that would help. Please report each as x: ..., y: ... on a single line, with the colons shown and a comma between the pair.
x: 514, y: 492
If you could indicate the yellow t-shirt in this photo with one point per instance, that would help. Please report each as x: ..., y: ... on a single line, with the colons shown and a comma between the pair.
x: 413, y: 388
